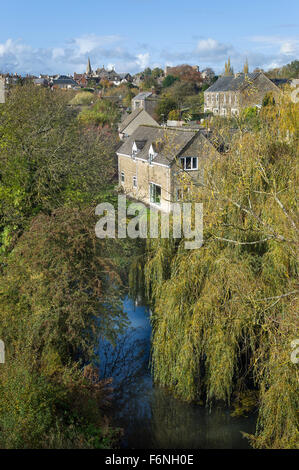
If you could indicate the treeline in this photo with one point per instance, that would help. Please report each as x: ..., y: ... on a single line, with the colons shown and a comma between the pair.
x: 60, y: 287
x: 224, y: 316
x: 290, y: 70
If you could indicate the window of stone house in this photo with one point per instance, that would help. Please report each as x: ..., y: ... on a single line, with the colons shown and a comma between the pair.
x: 134, y: 181
x: 122, y: 177
x: 151, y: 154
x: 155, y: 193
x: 189, y: 163
x: 217, y: 97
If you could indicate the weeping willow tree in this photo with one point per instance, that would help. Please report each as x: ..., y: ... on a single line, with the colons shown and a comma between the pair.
x: 224, y: 316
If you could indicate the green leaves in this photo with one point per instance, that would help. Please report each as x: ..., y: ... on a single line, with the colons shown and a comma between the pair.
x: 224, y: 316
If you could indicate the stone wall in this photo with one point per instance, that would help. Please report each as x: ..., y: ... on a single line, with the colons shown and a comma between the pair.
x: 222, y: 103
x: 145, y: 174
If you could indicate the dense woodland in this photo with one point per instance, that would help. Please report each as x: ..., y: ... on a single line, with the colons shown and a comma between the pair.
x: 57, y: 279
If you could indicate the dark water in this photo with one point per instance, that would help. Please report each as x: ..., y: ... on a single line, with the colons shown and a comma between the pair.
x: 151, y: 417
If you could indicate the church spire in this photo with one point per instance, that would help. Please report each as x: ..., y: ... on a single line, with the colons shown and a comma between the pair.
x: 246, y: 67
x: 88, y: 68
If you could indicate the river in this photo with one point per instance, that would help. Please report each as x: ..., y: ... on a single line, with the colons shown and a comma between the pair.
x: 150, y: 417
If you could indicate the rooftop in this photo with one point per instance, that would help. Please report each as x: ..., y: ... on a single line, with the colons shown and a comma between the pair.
x: 143, y: 95
x: 169, y: 141
x: 232, y: 82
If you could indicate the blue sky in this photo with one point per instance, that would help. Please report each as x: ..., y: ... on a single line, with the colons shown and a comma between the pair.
x: 58, y: 36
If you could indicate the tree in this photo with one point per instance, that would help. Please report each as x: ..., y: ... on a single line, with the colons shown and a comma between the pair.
x: 103, y: 113
x: 63, y: 291
x: 246, y: 67
x: 165, y: 105
x: 187, y: 73
x: 168, y: 81
x: 234, y: 302
x: 174, y: 115
x: 47, y: 159
x: 157, y: 72
x: 287, y: 71
x: 228, y: 70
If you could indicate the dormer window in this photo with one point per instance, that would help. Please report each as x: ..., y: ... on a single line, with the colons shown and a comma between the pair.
x: 151, y: 154
x: 137, y: 147
x: 134, y: 150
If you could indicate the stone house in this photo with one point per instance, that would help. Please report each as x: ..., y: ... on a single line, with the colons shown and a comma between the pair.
x: 146, y: 100
x: 133, y: 121
x: 231, y: 93
x: 153, y: 160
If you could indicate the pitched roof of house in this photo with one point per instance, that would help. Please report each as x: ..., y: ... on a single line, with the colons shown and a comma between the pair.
x: 64, y: 80
x: 232, y: 82
x: 169, y: 142
x: 143, y: 95
x: 130, y: 118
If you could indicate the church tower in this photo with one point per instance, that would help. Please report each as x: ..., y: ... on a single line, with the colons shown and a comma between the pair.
x: 88, y: 68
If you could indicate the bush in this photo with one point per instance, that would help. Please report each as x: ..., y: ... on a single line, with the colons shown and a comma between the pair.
x: 82, y: 98
x: 169, y: 80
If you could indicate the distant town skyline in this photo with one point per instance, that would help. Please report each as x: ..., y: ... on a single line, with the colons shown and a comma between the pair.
x: 37, y: 37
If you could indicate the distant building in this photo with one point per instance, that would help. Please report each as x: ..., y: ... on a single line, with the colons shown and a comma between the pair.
x: 145, y: 100
x: 132, y: 121
x: 208, y: 74
x: 64, y: 82
x: 231, y: 93
x: 41, y: 82
x: 81, y: 79
x: 88, y: 68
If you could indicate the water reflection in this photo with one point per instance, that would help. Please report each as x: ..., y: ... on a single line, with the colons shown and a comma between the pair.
x: 151, y: 417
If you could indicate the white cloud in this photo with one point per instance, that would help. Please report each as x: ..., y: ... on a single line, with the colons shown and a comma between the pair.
x: 143, y: 60
x: 211, y: 47
x: 90, y: 42
x: 263, y: 51
x: 16, y: 56
x: 281, y: 45
x: 289, y: 47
